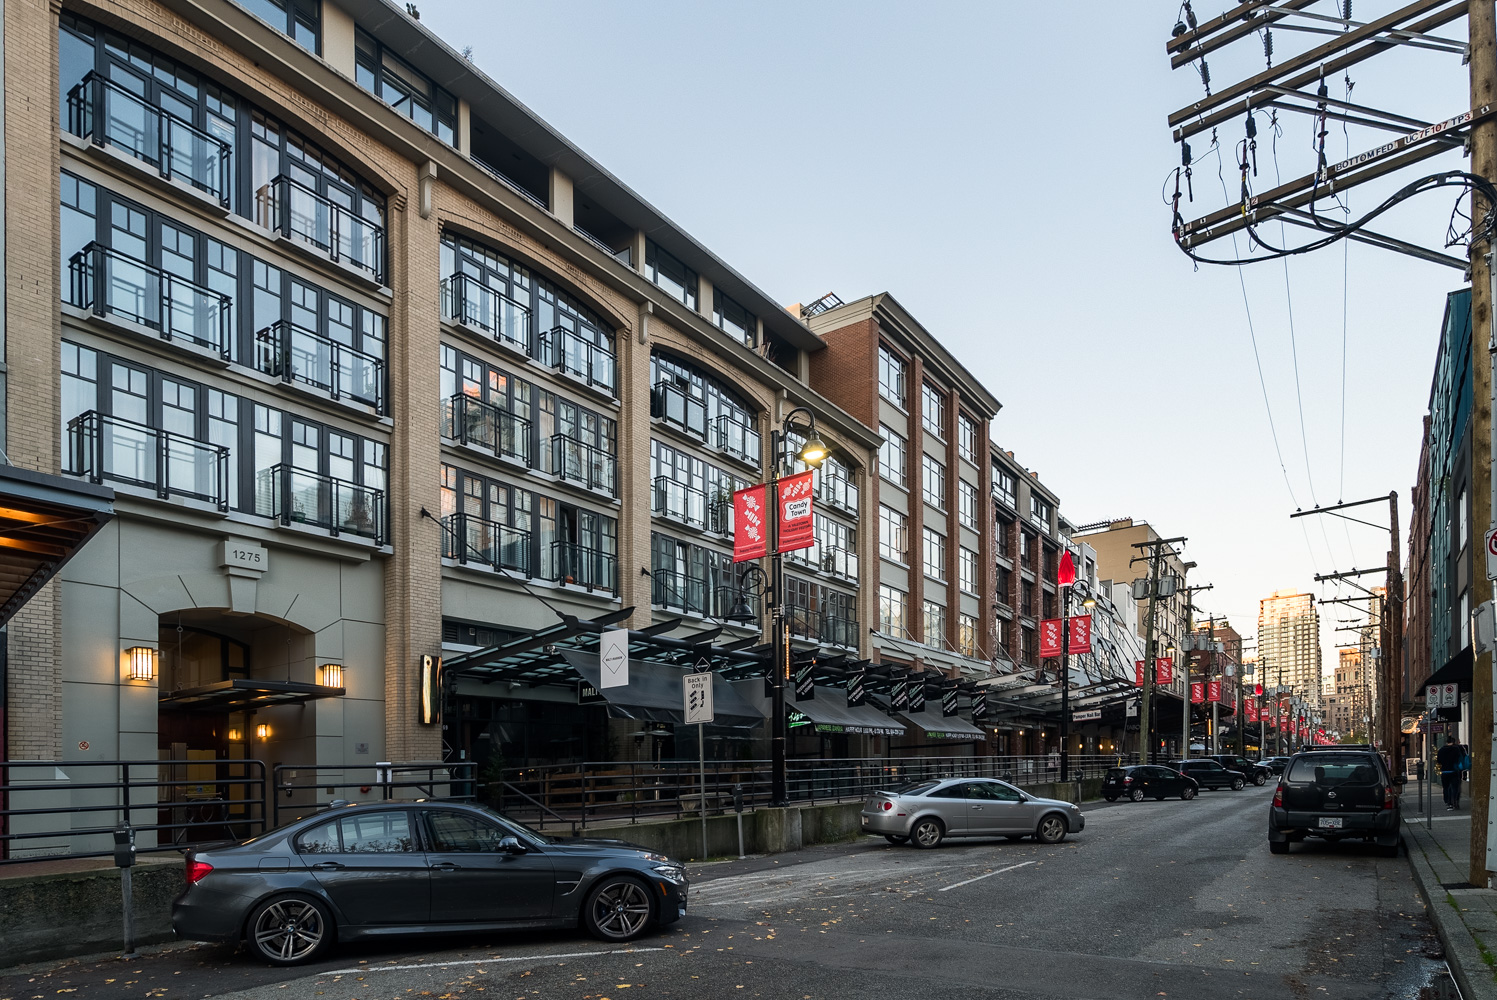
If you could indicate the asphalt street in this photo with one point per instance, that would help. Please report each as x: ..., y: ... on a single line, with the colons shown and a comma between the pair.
x: 1172, y: 899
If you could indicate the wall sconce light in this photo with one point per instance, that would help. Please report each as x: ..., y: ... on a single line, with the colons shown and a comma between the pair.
x: 236, y: 735
x: 331, y: 675
x: 142, y: 663
x: 262, y: 732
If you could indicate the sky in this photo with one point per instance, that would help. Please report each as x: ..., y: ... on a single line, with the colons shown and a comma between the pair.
x: 998, y: 168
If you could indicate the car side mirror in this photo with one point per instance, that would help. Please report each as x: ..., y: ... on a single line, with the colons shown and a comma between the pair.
x: 511, y: 845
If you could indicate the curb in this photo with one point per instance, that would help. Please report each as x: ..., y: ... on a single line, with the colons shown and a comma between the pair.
x: 1461, y: 953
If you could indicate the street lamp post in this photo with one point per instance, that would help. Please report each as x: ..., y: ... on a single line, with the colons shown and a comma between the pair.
x: 1067, y: 590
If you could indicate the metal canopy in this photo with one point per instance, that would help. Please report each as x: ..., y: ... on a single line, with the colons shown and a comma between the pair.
x: 942, y: 728
x: 245, y: 694
x: 653, y: 693
x: 44, y: 520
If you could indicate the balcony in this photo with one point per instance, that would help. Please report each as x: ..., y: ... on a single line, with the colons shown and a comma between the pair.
x: 737, y: 439
x: 301, y: 214
x: 109, y: 283
x: 838, y: 492
x: 311, y: 498
x: 108, y: 449
x: 818, y: 626
x: 840, y: 562
x: 473, y: 422
x: 583, y: 464
x: 571, y: 354
x: 468, y: 301
x: 470, y: 539
x: 295, y: 354
x: 678, y: 591
x: 734, y: 437
x: 107, y: 114
x: 582, y: 566
x: 690, y: 506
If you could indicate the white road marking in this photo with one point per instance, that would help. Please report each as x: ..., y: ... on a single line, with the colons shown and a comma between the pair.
x: 487, y: 961
x: 979, y: 878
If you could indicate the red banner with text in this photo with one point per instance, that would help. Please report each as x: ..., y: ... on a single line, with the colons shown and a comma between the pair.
x: 750, y: 524
x: 1164, y: 670
x: 1197, y: 693
x: 1138, y: 672
x: 1214, y: 691
x: 1081, y: 635
x: 1049, y: 638
x: 797, y: 529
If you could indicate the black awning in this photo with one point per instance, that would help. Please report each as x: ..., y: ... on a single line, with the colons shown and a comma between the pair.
x: 44, y: 520
x: 245, y: 694
x: 654, y: 692
x: 1457, y: 670
x: 943, y: 728
x: 828, y: 713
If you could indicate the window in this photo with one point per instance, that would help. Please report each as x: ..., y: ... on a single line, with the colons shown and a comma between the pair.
x: 1005, y: 536
x: 966, y: 504
x: 734, y: 320
x: 1006, y: 488
x: 671, y: 274
x: 695, y: 579
x: 1003, y: 635
x: 377, y: 833
x: 1039, y: 512
x: 1004, y: 583
x: 299, y: 19
x: 933, y: 409
x: 935, y: 554
x: 933, y: 481
x: 487, y: 521
x: 1030, y: 646
x: 935, y: 624
x: 694, y: 401
x: 577, y: 444
x: 893, y: 539
x: 1462, y: 509
x: 320, y: 839
x: 890, y: 376
x: 1028, y: 549
x: 690, y: 491
x: 459, y: 833
x: 892, y: 611
x: 1026, y: 598
x: 966, y: 438
x: 966, y: 635
x: 404, y: 88
x: 487, y: 407
x: 967, y: 569
x: 891, y: 456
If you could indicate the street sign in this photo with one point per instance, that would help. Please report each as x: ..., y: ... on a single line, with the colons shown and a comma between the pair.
x: 696, y: 696
x: 613, y: 656
x: 1450, y: 695
x: 1492, y: 553
x: 1132, y: 709
x: 1086, y: 715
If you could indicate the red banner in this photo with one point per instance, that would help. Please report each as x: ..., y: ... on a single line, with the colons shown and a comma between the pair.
x: 1138, y: 672
x: 1251, y: 710
x: 750, y: 524
x: 1049, y: 638
x: 1197, y: 693
x: 797, y: 528
x: 1081, y: 635
x: 1164, y: 670
x: 1214, y: 691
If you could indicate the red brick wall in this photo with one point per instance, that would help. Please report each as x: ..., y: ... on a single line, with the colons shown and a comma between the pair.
x: 847, y: 371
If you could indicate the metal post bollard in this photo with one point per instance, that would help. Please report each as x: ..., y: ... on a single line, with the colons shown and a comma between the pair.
x: 738, y: 808
x: 124, y: 860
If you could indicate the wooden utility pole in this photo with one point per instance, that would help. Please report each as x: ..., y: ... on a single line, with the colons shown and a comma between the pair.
x: 1146, y: 693
x: 1482, y: 23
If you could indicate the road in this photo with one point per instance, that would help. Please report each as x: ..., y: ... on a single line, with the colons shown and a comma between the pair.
x: 1174, y: 899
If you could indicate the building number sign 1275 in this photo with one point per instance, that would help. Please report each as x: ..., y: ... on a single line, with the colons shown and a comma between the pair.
x: 245, y: 555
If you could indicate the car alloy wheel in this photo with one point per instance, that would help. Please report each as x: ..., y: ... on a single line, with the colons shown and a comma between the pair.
x: 619, y: 909
x: 1137, y: 795
x: 927, y: 833
x: 1260, y: 780
x: 1052, y: 830
x: 1188, y: 794
x: 1237, y: 784
x: 288, y: 930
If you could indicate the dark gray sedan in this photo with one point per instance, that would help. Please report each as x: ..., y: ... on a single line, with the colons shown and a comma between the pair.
x: 924, y: 813
x: 406, y: 868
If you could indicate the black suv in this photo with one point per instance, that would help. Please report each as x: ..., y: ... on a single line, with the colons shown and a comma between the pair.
x: 1337, y: 793
x: 1256, y: 773
x: 1143, y: 781
x: 1209, y: 774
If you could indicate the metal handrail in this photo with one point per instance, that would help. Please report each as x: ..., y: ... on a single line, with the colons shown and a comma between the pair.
x: 568, y: 352
x: 584, y: 566
x: 294, y: 353
x: 108, y: 282
x: 471, y: 538
x: 441, y: 777
x: 155, y: 136
x: 103, y: 447
x: 468, y: 301
x: 336, y: 504
x: 296, y: 210
x: 579, y: 462
x: 838, y: 491
x: 471, y: 421
x: 728, y: 431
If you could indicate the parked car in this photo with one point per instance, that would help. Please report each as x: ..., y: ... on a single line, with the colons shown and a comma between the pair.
x: 1256, y: 773
x: 361, y: 871
x: 1209, y: 774
x: 1275, y: 765
x: 924, y: 813
x: 1336, y: 794
x: 1143, y: 781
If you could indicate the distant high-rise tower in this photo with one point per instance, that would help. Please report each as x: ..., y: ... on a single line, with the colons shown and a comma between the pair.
x: 1289, y: 643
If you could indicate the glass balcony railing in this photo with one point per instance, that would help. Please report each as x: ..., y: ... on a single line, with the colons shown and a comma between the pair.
x: 582, y: 566
x: 108, y: 449
x: 737, y: 438
x: 837, y: 491
x: 295, y: 354
x: 574, y: 355
x: 675, y: 590
x: 298, y: 212
x: 108, y: 283
x: 469, y: 538
x: 468, y: 301
x: 819, y: 626
x: 107, y: 114
x: 678, y: 502
x: 840, y: 562
x: 326, y: 502
x: 583, y: 464
x: 733, y: 435
x: 473, y: 422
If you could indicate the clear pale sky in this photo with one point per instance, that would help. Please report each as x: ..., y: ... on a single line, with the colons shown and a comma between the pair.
x: 997, y: 167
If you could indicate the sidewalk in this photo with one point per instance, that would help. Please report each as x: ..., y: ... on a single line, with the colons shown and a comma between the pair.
x: 1464, y: 916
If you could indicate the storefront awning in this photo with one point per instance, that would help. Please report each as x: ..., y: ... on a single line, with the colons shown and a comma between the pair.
x: 654, y: 692
x: 1456, y: 670
x: 244, y: 694
x: 828, y: 712
x: 938, y: 727
x: 44, y: 520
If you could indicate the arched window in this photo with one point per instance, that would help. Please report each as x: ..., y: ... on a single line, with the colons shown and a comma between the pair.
x: 698, y: 404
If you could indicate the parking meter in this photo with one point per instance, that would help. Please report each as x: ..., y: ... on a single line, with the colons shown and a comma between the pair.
x: 738, y: 798
x: 124, y: 846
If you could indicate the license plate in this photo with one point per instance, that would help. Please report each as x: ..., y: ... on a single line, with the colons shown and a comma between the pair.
x: 1330, y: 822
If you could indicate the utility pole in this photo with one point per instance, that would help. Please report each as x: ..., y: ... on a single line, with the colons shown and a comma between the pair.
x: 1482, y: 24
x: 1145, y: 739
x: 1185, y: 703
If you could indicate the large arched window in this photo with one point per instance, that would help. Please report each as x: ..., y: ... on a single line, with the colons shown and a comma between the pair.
x: 697, y: 403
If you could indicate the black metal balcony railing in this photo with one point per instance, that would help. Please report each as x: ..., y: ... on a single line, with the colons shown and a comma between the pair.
x: 842, y: 562
x: 693, y: 507
x: 468, y: 301
x: 583, y: 464
x: 736, y: 438
x: 838, y: 491
x: 472, y: 421
x: 295, y: 354
x: 312, y: 498
x: 574, y: 355
x: 109, y: 283
x: 107, y: 114
x: 109, y: 449
x: 297, y: 211
x: 819, y: 626
x: 469, y: 538
x: 675, y: 590
x: 582, y: 566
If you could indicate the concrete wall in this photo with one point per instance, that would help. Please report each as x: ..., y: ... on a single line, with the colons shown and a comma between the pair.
x: 80, y: 913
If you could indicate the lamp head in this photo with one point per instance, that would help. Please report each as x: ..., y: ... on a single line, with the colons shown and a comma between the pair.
x: 815, y: 451
x: 741, y: 612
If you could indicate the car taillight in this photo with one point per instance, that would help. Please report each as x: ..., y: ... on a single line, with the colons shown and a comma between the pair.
x: 1388, y: 797
x: 1127, y: 781
x: 1278, y: 796
x: 888, y: 806
x: 196, y: 870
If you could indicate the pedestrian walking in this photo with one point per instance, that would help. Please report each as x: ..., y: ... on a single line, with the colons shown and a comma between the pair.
x: 1449, y: 759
